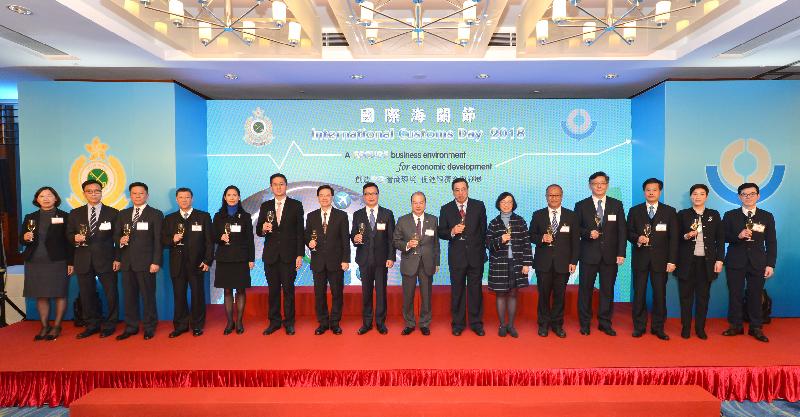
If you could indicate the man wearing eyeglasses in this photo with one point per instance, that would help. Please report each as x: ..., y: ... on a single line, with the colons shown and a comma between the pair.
x: 752, y: 251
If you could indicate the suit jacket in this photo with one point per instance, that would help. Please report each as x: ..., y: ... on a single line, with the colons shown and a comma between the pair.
x: 472, y: 250
x: 663, y: 247
x: 611, y: 242
x: 58, y: 245
x: 761, y: 252
x: 377, y: 246
x: 498, y: 251
x: 333, y: 247
x: 285, y: 243
x: 428, y: 249
x: 713, y: 241
x: 198, y: 246
x: 144, y: 247
x: 101, y: 251
x: 566, y: 245
x: 242, y: 247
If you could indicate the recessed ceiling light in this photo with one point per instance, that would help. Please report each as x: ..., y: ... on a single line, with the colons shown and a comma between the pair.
x: 482, y: 76
x: 357, y: 76
x: 231, y: 76
x: 20, y: 9
x: 611, y: 75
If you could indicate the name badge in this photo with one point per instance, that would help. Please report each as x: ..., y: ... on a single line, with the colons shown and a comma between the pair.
x: 105, y: 226
x: 661, y: 227
x: 60, y: 220
x: 142, y: 226
x: 236, y: 228
x: 428, y: 232
x: 564, y: 229
x: 758, y: 227
x: 612, y: 217
x: 197, y: 228
x: 380, y: 226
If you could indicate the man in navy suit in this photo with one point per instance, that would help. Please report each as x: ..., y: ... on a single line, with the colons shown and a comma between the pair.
x: 752, y: 252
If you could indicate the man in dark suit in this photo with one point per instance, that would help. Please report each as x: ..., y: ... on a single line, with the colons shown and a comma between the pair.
x: 372, y: 233
x: 187, y: 234
x: 603, y: 244
x: 327, y: 237
x: 415, y: 238
x: 752, y: 252
x: 462, y: 222
x: 555, y: 232
x: 138, y: 231
x: 280, y: 222
x: 653, y: 231
x: 94, y: 257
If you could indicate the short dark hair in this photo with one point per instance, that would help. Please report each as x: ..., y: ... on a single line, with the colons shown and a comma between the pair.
x: 502, y: 196
x: 696, y: 186
x: 184, y: 190
x: 324, y: 187
x: 599, y: 174
x: 546, y: 190
x: 420, y: 193
x: 653, y: 181
x: 458, y: 180
x: 48, y: 188
x: 748, y: 185
x: 277, y: 175
x: 138, y: 184
x: 370, y: 184
x: 90, y: 182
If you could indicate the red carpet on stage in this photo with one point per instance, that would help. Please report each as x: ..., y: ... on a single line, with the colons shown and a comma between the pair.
x: 730, y: 368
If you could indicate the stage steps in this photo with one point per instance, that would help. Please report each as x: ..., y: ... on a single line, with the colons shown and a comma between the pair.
x: 547, y: 401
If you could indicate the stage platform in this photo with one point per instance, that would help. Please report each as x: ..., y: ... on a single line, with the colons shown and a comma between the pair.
x: 730, y: 368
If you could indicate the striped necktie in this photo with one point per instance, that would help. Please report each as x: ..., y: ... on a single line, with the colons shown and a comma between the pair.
x: 136, y: 215
x: 93, y: 221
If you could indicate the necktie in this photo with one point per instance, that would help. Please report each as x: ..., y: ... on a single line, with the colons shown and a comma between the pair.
x: 93, y: 221
x: 749, y: 214
x: 461, y: 211
x: 554, y: 222
x: 419, y: 228
x: 136, y: 214
x: 185, y: 216
x: 372, y: 218
x: 325, y: 222
x: 600, y: 210
x: 278, y: 211
x: 650, y: 212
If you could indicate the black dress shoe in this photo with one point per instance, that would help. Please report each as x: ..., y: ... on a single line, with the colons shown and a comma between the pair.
x: 502, y: 331
x: 425, y: 331
x: 175, y: 333
x: 270, y: 330
x: 733, y: 331
x: 55, y: 332
x: 320, y: 330
x: 757, y: 333
x: 638, y: 333
x: 479, y: 332
x: 660, y: 334
x: 364, y: 329
x: 290, y: 330
x: 513, y: 332
x: 149, y: 335
x: 336, y: 330
x: 126, y: 334
x: 701, y: 334
x: 686, y: 333
x: 86, y: 333
x: 607, y: 330
x: 239, y: 327
x: 585, y: 331
x: 542, y: 331
x: 228, y: 329
x: 382, y: 329
x: 106, y: 333
x: 197, y: 332
x: 407, y: 331
x: 560, y: 332
x: 457, y: 332
x: 42, y: 334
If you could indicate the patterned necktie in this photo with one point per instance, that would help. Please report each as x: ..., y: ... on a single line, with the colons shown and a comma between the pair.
x: 325, y: 222
x: 92, y: 222
x: 278, y: 211
x: 185, y: 216
x: 600, y: 210
x: 419, y: 228
x: 461, y: 211
x: 372, y: 218
x: 136, y: 214
x: 554, y: 222
x: 650, y: 212
x: 749, y: 214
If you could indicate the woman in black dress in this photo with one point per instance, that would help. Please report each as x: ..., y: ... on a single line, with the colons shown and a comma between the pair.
x: 48, y: 259
x: 235, y: 257
x: 510, y: 260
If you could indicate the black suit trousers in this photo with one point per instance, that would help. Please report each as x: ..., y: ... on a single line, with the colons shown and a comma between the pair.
x: 754, y: 279
x: 658, y: 284
x: 90, y: 303
x: 552, y: 288
x: 193, y: 278
x: 373, y: 277
x: 280, y: 279
x: 694, y: 293
x: 135, y: 284
x: 588, y: 275
x: 466, y: 292
x: 321, y: 281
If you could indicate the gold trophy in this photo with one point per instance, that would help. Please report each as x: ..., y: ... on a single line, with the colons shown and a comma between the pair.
x: 749, y: 226
x: 83, y: 229
x: 228, y: 233
x: 361, y: 229
x: 552, y: 235
x: 314, y: 238
x: 695, y: 227
x: 647, y: 230
x: 179, y: 230
x: 597, y: 221
x: 508, y: 232
x: 126, y: 231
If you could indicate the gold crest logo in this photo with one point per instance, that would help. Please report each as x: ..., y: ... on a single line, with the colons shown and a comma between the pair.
x: 100, y: 167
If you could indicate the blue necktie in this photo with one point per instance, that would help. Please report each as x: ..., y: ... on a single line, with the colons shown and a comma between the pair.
x: 554, y: 223
x: 372, y: 218
x: 651, y: 212
x: 600, y: 210
x: 92, y: 222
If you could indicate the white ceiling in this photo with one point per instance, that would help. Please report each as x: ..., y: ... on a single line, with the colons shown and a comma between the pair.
x: 102, y: 54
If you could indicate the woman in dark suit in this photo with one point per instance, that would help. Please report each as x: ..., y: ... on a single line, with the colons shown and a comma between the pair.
x: 510, y: 260
x: 48, y: 259
x: 700, y: 255
x: 235, y: 256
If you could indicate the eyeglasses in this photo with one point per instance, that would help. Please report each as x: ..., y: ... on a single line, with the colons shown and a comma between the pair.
x: 370, y: 193
x: 598, y: 183
x: 748, y: 195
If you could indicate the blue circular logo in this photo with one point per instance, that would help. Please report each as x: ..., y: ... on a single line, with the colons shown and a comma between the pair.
x: 342, y: 200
